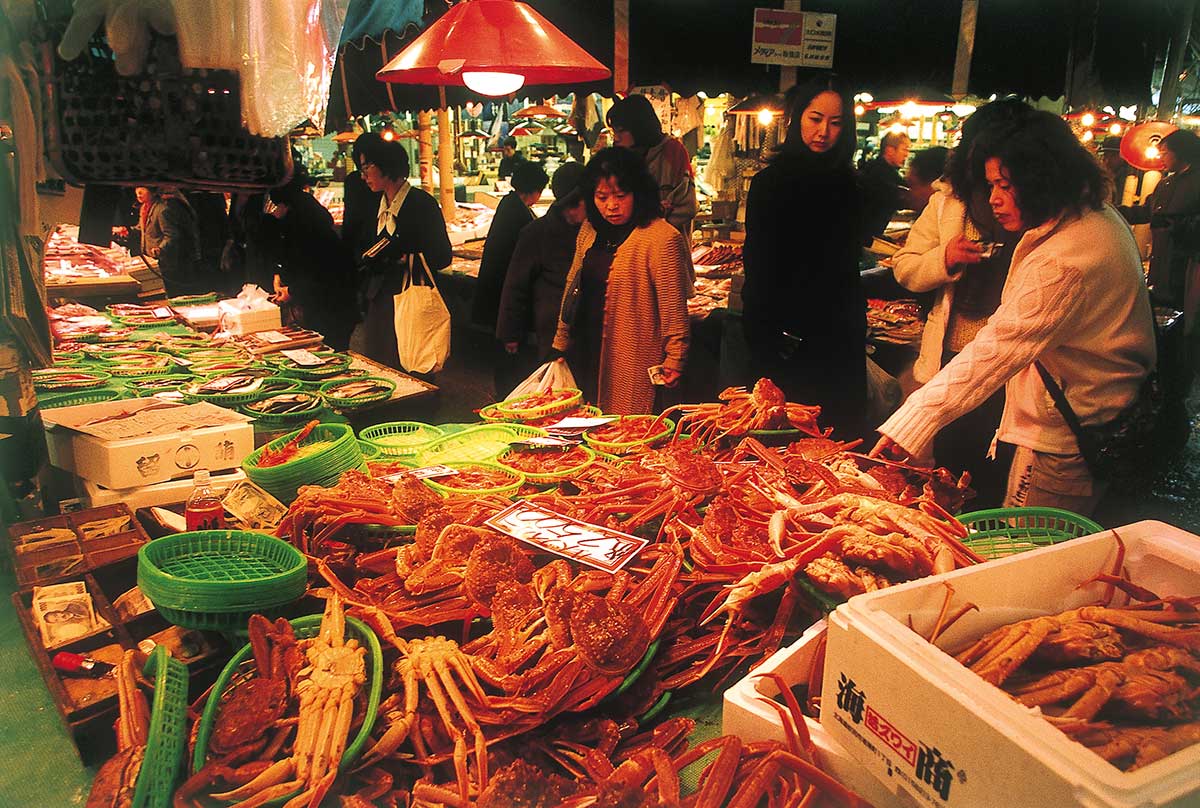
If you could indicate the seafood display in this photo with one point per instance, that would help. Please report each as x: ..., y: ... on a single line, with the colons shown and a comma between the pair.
x: 628, y: 429
x: 64, y: 379
x: 283, y: 404
x: 545, y: 460
x: 115, y: 782
x: 742, y: 411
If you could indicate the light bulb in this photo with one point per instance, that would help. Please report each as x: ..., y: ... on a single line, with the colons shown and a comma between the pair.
x: 765, y: 116
x: 1087, y: 136
x: 1088, y: 119
x: 494, y: 84
x: 1152, y: 152
x: 859, y: 110
x: 1115, y: 129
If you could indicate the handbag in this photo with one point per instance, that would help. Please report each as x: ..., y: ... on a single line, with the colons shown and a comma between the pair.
x: 1126, y: 447
x: 421, y: 322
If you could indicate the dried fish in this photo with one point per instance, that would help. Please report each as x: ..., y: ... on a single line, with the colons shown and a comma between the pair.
x: 283, y: 404
x: 229, y: 385
x: 359, y: 389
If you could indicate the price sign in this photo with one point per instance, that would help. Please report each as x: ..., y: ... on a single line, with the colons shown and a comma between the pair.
x: 594, y: 545
x: 423, y: 473
x: 303, y: 358
x: 163, y: 313
x: 577, y: 425
x: 547, y: 443
x: 272, y: 337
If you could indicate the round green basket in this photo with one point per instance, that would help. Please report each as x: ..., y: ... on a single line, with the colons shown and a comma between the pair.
x: 62, y: 357
x: 516, y: 407
x: 400, y: 438
x: 369, y: 451
x: 283, y: 419
x: 149, y: 385
x: 476, y: 443
x: 338, y: 363
x: 166, y: 740
x: 620, y: 448
x: 1000, y: 532
x: 491, y: 414
x: 220, y: 572
x: 324, y: 468
x: 133, y: 371
x: 75, y: 399
x: 329, y: 389
x: 241, y: 667
x: 234, y: 399
x: 549, y: 477
x: 193, y: 300
x: 445, y: 485
x: 51, y: 380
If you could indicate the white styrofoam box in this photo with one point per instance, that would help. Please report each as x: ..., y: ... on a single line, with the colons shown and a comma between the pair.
x: 134, y: 462
x: 746, y: 714
x: 240, y: 321
x: 913, y: 716
x: 172, y: 492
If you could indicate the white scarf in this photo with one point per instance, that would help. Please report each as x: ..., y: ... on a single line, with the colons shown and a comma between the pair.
x: 386, y: 219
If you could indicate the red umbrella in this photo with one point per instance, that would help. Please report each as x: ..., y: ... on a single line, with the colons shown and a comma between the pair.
x: 539, y: 111
x: 1139, y: 147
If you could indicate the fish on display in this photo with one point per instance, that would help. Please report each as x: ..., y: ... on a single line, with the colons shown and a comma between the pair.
x: 283, y: 404
x: 359, y: 389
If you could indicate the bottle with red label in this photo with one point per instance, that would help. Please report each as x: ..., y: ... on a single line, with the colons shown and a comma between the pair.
x: 204, y: 510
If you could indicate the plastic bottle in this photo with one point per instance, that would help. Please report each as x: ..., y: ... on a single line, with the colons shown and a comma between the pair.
x: 204, y: 510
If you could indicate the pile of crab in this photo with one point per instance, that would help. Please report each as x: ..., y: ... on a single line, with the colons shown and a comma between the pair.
x: 494, y: 647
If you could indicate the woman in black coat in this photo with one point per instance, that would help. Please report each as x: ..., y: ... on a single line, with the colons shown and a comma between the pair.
x: 804, y: 313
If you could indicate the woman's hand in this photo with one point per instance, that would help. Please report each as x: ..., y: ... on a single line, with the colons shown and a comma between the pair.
x: 670, y: 377
x: 888, y: 449
x: 961, y: 250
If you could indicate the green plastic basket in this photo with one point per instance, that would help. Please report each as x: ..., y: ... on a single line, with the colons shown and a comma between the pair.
x: 221, y: 572
x: 143, y: 386
x: 517, y: 407
x: 241, y: 666
x: 323, y: 372
x: 328, y: 391
x: 369, y: 451
x: 550, y: 477
x: 167, y: 737
x: 400, y: 438
x: 1002, y: 532
x: 445, y: 485
x: 624, y: 447
x: 75, y: 399
x: 477, y: 443
x: 230, y: 399
x: 193, y: 300
x: 49, y: 380
x: 323, y: 469
x: 283, y: 419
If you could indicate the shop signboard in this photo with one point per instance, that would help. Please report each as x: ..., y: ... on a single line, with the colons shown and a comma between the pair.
x: 793, y: 38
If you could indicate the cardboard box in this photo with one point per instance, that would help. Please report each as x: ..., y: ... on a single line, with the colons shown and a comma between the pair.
x: 127, y: 444
x: 747, y: 714
x: 169, y: 493
x: 927, y: 726
x: 236, y: 320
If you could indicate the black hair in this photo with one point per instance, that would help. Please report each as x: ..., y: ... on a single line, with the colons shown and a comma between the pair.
x: 388, y: 156
x: 1051, y: 172
x: 509, y: 141
x: 628, y: 170
x: 363, y: 141
x: 929, y: 164
x: 1184, y: 145
x: 958, y: 167
x: 566, y: 179
x: 528, y: 177
x: 636, y: 115
x: 287, y: 193
x: 798, y: 99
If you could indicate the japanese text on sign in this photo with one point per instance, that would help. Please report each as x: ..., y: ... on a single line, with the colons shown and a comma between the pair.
x: 800, y: 39
x: 586, y: 543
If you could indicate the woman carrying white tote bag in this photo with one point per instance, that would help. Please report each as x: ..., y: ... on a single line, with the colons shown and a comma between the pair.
x: 422, y: 321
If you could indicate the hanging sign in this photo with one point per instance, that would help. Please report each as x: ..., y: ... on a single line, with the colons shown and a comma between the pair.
x: 793, y: 38
x: 594, y: 545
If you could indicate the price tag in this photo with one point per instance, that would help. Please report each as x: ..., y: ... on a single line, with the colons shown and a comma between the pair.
x: 423, y: 473
x: 272, y: 337
x: 179, y: 360
x: 163, y: 313
x: 303, y: 358
x: 594, y: 545
x: 577, y: 425
x: 547, y: 443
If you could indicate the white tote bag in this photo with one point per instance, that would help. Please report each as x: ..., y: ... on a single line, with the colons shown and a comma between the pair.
x: 422, y: 323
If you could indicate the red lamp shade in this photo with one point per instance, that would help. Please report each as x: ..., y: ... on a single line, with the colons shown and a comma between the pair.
x: 539, y: 111
x: 1139, y: 146
x: 492, y: 36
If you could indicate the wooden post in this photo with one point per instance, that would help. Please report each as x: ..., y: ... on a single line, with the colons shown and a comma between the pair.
x: 424, y: 150
x: 620, y: 45
x: 966, y: 47
x: 445, y: 155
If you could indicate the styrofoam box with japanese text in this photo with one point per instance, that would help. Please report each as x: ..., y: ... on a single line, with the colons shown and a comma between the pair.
x: 746, y: 714
x: 924, y: 724
x: 248, y: 321
x: 171, y: 492
x: 150, y: 459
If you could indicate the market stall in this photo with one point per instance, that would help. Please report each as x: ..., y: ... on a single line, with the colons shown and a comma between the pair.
x: 75, y: 270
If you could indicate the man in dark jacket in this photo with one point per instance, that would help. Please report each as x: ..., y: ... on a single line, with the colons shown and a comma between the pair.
x: 172, y: 236
x: 537, y: 273
x: 880, y: 184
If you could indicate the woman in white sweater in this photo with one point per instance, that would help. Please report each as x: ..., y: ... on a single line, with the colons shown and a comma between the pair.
x: 1074, y: 299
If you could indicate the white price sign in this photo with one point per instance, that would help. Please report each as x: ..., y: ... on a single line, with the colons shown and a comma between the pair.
x: 793, y: 38
x: 594, y: 545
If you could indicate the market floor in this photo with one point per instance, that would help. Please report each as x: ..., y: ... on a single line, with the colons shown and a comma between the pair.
x: 41, y: 766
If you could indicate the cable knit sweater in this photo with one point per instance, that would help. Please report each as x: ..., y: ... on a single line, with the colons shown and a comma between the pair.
x: 645, y: 313
x: 1075, y: 299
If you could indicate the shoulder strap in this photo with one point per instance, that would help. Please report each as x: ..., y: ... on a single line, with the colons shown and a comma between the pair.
x: 1060, y: 400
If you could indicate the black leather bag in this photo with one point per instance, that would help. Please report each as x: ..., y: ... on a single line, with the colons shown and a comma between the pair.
x: 1127, y: 447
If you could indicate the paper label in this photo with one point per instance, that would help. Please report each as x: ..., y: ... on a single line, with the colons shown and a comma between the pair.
x: 423, y: 473
x: 575, y: 425
x: 303, y: 357
x: 545, y: 443
x: 594, y: 545
x: 162, y: 312
x: 273, y: 337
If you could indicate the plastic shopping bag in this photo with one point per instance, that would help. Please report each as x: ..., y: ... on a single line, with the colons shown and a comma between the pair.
x: 422, y: 323
x: 554, y: 375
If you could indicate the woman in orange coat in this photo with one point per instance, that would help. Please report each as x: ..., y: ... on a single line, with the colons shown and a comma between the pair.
x: 624, y: 308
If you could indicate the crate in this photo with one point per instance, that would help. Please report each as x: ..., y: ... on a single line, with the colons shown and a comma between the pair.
x: 932, y: 730
x: 238, y: 321
x: 88, y: 707
x: 60, y: 547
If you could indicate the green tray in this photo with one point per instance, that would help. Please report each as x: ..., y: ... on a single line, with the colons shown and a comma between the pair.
x: 243, y: 663
x: 167, y: 737
x: 400, y: 438
x: 345, y: 403
x: 445, y: 485
x: 1000, y: 532
x: 75, y: 399
x: 622, y: 447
